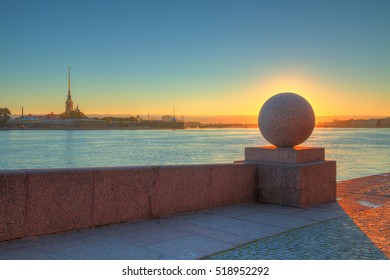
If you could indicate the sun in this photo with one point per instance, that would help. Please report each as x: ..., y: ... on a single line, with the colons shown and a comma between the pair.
x: 315, y: 91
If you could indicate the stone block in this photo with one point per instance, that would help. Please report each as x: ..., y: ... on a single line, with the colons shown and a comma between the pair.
x: 232, y: 184
x: 298, y: 185
x: 278, y: 195
x: 297, y: 154
x: 122, y: 194
x: 58, y: 200
x: 318, y: 183
x: 277, y: 175
x: 12, y: 204
x: 180, y: 188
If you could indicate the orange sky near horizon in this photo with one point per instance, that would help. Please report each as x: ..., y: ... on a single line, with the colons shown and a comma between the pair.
x: 242, y: 100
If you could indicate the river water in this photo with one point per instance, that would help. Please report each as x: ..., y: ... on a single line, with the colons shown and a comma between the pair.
x: 358, y: 152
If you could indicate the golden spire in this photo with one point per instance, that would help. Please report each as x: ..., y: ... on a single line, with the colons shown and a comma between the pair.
x: 69, y: 102
x: 68, y: 79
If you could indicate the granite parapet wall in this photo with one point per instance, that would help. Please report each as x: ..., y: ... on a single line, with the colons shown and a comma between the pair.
x: 38, y: 202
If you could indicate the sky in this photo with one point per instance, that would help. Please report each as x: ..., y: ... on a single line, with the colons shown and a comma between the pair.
x: 203, y: 57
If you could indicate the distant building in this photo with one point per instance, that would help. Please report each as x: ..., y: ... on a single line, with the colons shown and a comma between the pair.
x: 371, y: 123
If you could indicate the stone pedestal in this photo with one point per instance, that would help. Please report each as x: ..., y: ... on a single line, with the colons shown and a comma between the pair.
x: 298, y: 177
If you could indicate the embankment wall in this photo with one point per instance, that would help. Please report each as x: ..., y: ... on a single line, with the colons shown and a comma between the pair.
x: 38, y: 202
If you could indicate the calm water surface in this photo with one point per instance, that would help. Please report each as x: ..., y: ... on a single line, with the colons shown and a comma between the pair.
x: 358, y: 152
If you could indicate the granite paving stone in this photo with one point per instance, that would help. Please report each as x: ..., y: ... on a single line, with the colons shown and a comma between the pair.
x: 149, y: 236
x: 236, y: 210
x: 41, y: 254
x: 280, y: 209
x: 223, y: 236
x: 279, y: 220
x: 318, y: 215
x: 237, y: 226
x: 124, y: 228
x: 329, y: 205
x: 110, y: 249
x: 59, y: 239
x: 189, y: 247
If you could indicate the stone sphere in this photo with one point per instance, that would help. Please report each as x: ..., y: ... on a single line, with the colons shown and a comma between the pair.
x: 286, y: 120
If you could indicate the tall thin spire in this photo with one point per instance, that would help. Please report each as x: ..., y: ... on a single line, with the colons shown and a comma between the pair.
x: 68, y: 79
x: 69, y: 102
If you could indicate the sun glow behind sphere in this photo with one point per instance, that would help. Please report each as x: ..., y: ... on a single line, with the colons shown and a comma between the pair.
x: 320, y: 95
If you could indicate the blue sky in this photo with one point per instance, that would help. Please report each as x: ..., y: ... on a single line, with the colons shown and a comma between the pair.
x: 203, y: 57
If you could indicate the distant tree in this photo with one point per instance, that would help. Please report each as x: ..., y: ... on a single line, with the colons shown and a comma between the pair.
x: 5, y: 115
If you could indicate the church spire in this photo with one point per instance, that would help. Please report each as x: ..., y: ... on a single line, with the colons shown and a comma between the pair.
x: 68, y: 80
x: 69, y: 102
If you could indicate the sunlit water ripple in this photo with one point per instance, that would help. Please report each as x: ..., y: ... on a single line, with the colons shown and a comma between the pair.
x: 358, y: 152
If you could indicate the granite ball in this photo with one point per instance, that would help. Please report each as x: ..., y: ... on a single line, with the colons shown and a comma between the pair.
x: 286, y: 120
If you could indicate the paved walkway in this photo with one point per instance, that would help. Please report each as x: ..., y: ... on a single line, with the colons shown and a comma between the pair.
x: 348, y: 229
x: 330, y: 240
x: 367, y: 201
x: 363, y: 233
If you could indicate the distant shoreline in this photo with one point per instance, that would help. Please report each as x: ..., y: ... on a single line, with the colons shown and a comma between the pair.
x: 156, y: 128
x: 112, y: 123
x: 129, y: 128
